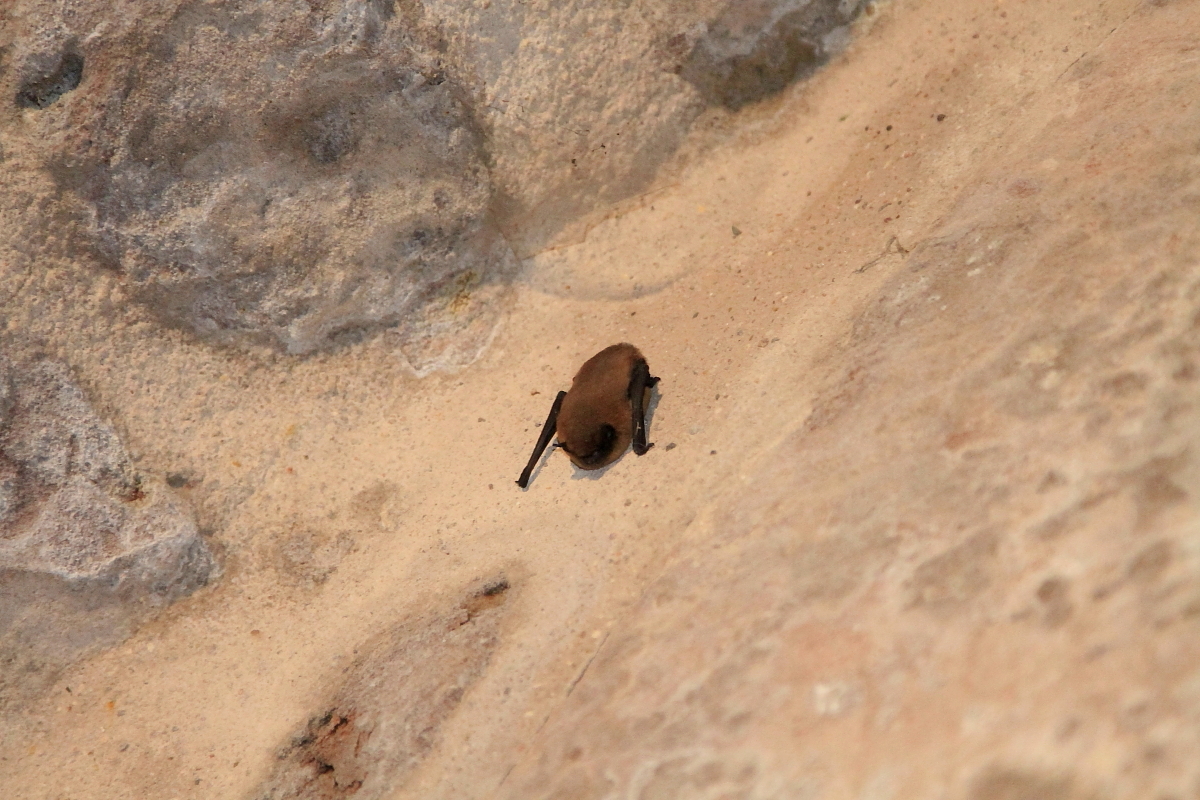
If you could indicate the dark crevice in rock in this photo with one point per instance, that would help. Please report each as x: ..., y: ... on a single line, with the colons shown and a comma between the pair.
x: 46, y: 88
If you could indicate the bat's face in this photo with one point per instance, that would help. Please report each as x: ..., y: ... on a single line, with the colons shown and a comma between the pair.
x: 593, y: 448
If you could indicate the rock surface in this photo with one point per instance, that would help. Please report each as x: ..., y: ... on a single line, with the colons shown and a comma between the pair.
x: 756, y: 49
x: 992, y: 561
x: 920, y: 520
x: 300, y: 175
x: 586, y: 102
x: 87, y: 547
x: 384, y: 719
x: 284, y: 175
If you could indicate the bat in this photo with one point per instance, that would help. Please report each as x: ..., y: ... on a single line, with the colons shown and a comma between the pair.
x: 602, y: 414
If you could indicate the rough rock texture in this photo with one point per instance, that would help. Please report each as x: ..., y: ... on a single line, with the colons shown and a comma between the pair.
x: 757, y: 49
x: 299, y: 175
x: 46, y: 83
x: 921, y: 517
x: 585, y: 102
x: 987, y: 585
x: 385, y: 718
x: 286, y: 175
x: 87, y: 547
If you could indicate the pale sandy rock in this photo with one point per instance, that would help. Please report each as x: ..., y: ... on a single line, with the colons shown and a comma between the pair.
x: 385, y: 718
x: 921, y: 517
x: 971, y: 571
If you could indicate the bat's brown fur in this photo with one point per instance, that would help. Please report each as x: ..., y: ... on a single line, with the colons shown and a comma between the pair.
x: 599, y: 417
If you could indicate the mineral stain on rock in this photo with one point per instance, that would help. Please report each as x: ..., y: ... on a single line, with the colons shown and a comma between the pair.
x: 999, y: 783
x: 386, y: 717
x: 949, y: 580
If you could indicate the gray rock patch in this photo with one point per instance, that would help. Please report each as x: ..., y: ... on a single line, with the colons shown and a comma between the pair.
x: 88, y: 548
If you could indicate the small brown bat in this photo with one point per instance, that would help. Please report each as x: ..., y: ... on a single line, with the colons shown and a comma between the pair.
x: 603, y: 412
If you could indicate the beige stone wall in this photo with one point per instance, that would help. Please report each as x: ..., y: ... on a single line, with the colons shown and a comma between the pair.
x: 920, y: 520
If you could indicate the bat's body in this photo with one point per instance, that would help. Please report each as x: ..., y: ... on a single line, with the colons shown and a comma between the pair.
x: 602, y: 414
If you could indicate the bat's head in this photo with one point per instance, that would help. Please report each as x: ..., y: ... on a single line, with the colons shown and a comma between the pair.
x: 592, y: 447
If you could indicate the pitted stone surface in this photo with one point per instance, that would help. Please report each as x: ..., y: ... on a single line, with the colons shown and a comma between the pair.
x: 286, y: 176
x: 299, y: 176
x: 921, y: 517
x: 88, y: 548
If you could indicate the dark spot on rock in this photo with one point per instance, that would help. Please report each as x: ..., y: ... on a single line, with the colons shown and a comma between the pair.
x: 957, y: 575
x: 330, y: 136
x: 1154, y: 489
x: 1191, y: 610
x: 752, y: 52
x: 1054, y: 594
x: 1052, y: 480
x: 176, y: 480
x: 307, y: 557
x: 493, y: 589
x: 490, y: 596
x: 1125, y: 384
x: 941, y: 117
x: 1050, y: 589
x: 1150, y: 563
x: 133, y: 492
x: 1023, y: 187
x: 384, y: 8
x: 1011, y: 784
x: 43, y: 90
